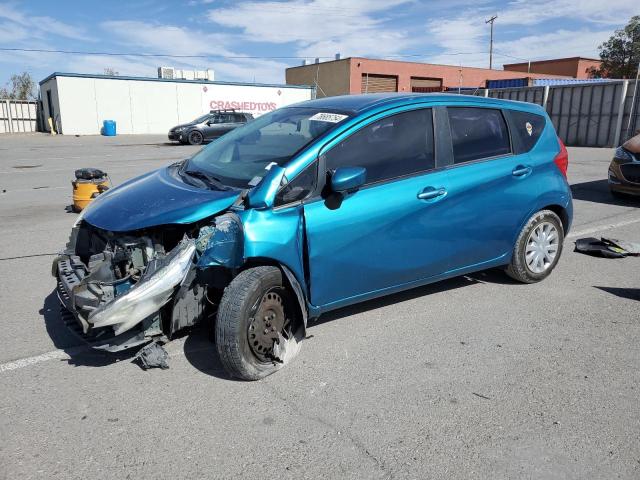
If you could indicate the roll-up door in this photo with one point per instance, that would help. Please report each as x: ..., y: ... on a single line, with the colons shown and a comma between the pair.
x: 379, y: 83
x: 426, y: 85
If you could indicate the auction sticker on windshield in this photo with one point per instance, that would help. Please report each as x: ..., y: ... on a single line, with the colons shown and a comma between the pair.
x: 328, y: 117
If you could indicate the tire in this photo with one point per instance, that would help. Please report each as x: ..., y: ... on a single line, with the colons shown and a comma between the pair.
x: 195, y: 137
x: 240, y: 303
x: 520, y: 268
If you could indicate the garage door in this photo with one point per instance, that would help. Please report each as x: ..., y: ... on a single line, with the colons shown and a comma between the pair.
x: 426, y: 85
x: 379, y: 83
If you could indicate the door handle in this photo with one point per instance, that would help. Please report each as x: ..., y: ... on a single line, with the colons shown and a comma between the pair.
x: 521, y: 171
x: 430, y: 193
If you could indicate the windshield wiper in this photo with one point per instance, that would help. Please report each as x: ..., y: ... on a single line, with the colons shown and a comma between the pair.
x: 207, y: 178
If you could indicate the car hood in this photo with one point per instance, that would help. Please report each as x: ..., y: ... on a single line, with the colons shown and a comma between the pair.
x: 184, y: 125
x: 156, y: 198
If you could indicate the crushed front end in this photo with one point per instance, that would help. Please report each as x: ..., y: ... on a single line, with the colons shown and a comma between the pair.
x: 126, y: 289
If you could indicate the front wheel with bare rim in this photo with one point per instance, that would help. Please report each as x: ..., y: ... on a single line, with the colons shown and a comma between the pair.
x: 538, y: 248
x: 257, y: 329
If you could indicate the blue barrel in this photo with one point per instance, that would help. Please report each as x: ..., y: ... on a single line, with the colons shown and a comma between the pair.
x: 109, y: 128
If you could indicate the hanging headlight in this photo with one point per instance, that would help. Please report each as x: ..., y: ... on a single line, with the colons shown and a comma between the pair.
x: 148, y: 295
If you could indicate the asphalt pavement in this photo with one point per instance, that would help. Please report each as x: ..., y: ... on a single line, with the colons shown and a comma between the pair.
x: 476, y: 377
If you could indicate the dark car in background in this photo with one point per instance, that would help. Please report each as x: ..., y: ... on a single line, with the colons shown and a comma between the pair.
x: 209, y: 126
x: 624, y: 170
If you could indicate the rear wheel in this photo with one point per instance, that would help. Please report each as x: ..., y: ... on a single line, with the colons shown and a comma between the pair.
x: 538, y: 248
x: 257, y: 324
x: 195, y: 138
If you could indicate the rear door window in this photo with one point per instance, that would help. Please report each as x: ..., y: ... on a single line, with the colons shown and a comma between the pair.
x: 526, y: 129
x: 393, y: 147
x: 478, y: 133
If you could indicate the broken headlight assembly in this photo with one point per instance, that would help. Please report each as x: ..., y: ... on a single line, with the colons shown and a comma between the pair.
x: 149, y: 294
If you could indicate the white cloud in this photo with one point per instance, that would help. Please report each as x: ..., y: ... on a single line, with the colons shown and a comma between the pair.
x: 10, y: 32
x: 318, y: 27
x: 559, y: 44
x: 40, y: 26
x: 523, y: 12
x: 465, y: 38
x: 171, y: 39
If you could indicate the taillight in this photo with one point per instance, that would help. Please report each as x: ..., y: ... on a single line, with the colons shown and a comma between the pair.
x: 562, y: 159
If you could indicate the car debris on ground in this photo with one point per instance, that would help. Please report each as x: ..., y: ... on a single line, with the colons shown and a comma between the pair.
x: 152, y: 355
x: 607, y: 247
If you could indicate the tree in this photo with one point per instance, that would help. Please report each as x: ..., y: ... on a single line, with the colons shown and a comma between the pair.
x: 620, y: 54
x: 20, y: 87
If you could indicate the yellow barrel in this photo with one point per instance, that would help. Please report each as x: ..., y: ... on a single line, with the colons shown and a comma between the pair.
x: 89, y: 183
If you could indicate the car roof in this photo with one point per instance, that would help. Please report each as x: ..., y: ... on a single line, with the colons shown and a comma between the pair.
x: 360, y: 103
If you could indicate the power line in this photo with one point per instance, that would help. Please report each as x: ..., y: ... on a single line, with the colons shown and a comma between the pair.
x: 231, y: 57
x: 132, y: 54
x: 241, y: 57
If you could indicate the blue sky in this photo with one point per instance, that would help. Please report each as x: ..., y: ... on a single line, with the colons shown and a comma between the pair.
x: 438, y: 31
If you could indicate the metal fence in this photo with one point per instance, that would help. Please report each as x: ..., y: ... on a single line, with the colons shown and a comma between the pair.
x: 584, y: 115
x: 18, y: 116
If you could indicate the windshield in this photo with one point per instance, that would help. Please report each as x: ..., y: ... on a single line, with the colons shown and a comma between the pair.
x: 243, y: 156
x: 202, y: 118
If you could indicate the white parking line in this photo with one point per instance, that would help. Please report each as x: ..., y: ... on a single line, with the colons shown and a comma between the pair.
x: 143, y: 163
x: 25, y: 362
x: 33, y: 189
x: 173, y: 351
x: 602, y: 227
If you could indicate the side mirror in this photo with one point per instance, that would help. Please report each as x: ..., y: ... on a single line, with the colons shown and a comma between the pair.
x: 346, y: 179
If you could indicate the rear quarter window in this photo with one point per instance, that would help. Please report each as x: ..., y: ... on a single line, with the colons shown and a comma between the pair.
x: 526, y: 129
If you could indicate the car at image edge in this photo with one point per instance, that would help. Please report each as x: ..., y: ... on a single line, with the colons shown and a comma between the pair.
x: 313, y: 207
x: 624, y: 169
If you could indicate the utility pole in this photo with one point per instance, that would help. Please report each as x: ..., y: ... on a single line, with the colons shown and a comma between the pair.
x: 491, y: 20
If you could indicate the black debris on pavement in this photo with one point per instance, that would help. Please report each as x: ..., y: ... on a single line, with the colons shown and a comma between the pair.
x: 152, y: 356
x: 481, y: 396
x: 607, y: 247
x: 631, y: 248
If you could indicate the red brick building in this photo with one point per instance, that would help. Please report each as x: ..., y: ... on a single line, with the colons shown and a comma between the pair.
x: 362, y: 75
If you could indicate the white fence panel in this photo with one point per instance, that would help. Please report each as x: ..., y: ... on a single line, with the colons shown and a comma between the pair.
x: 18, y: 116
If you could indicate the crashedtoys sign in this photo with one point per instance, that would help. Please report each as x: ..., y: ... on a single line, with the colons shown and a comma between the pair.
x: 256, y: 100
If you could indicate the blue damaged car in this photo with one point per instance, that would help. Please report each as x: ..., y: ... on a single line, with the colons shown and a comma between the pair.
x: 313, y: 207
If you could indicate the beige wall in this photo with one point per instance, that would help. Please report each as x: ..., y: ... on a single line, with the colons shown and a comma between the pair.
x: 332, y: 77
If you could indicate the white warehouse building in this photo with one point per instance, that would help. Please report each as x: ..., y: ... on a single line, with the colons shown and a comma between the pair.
x: 78, y: 104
